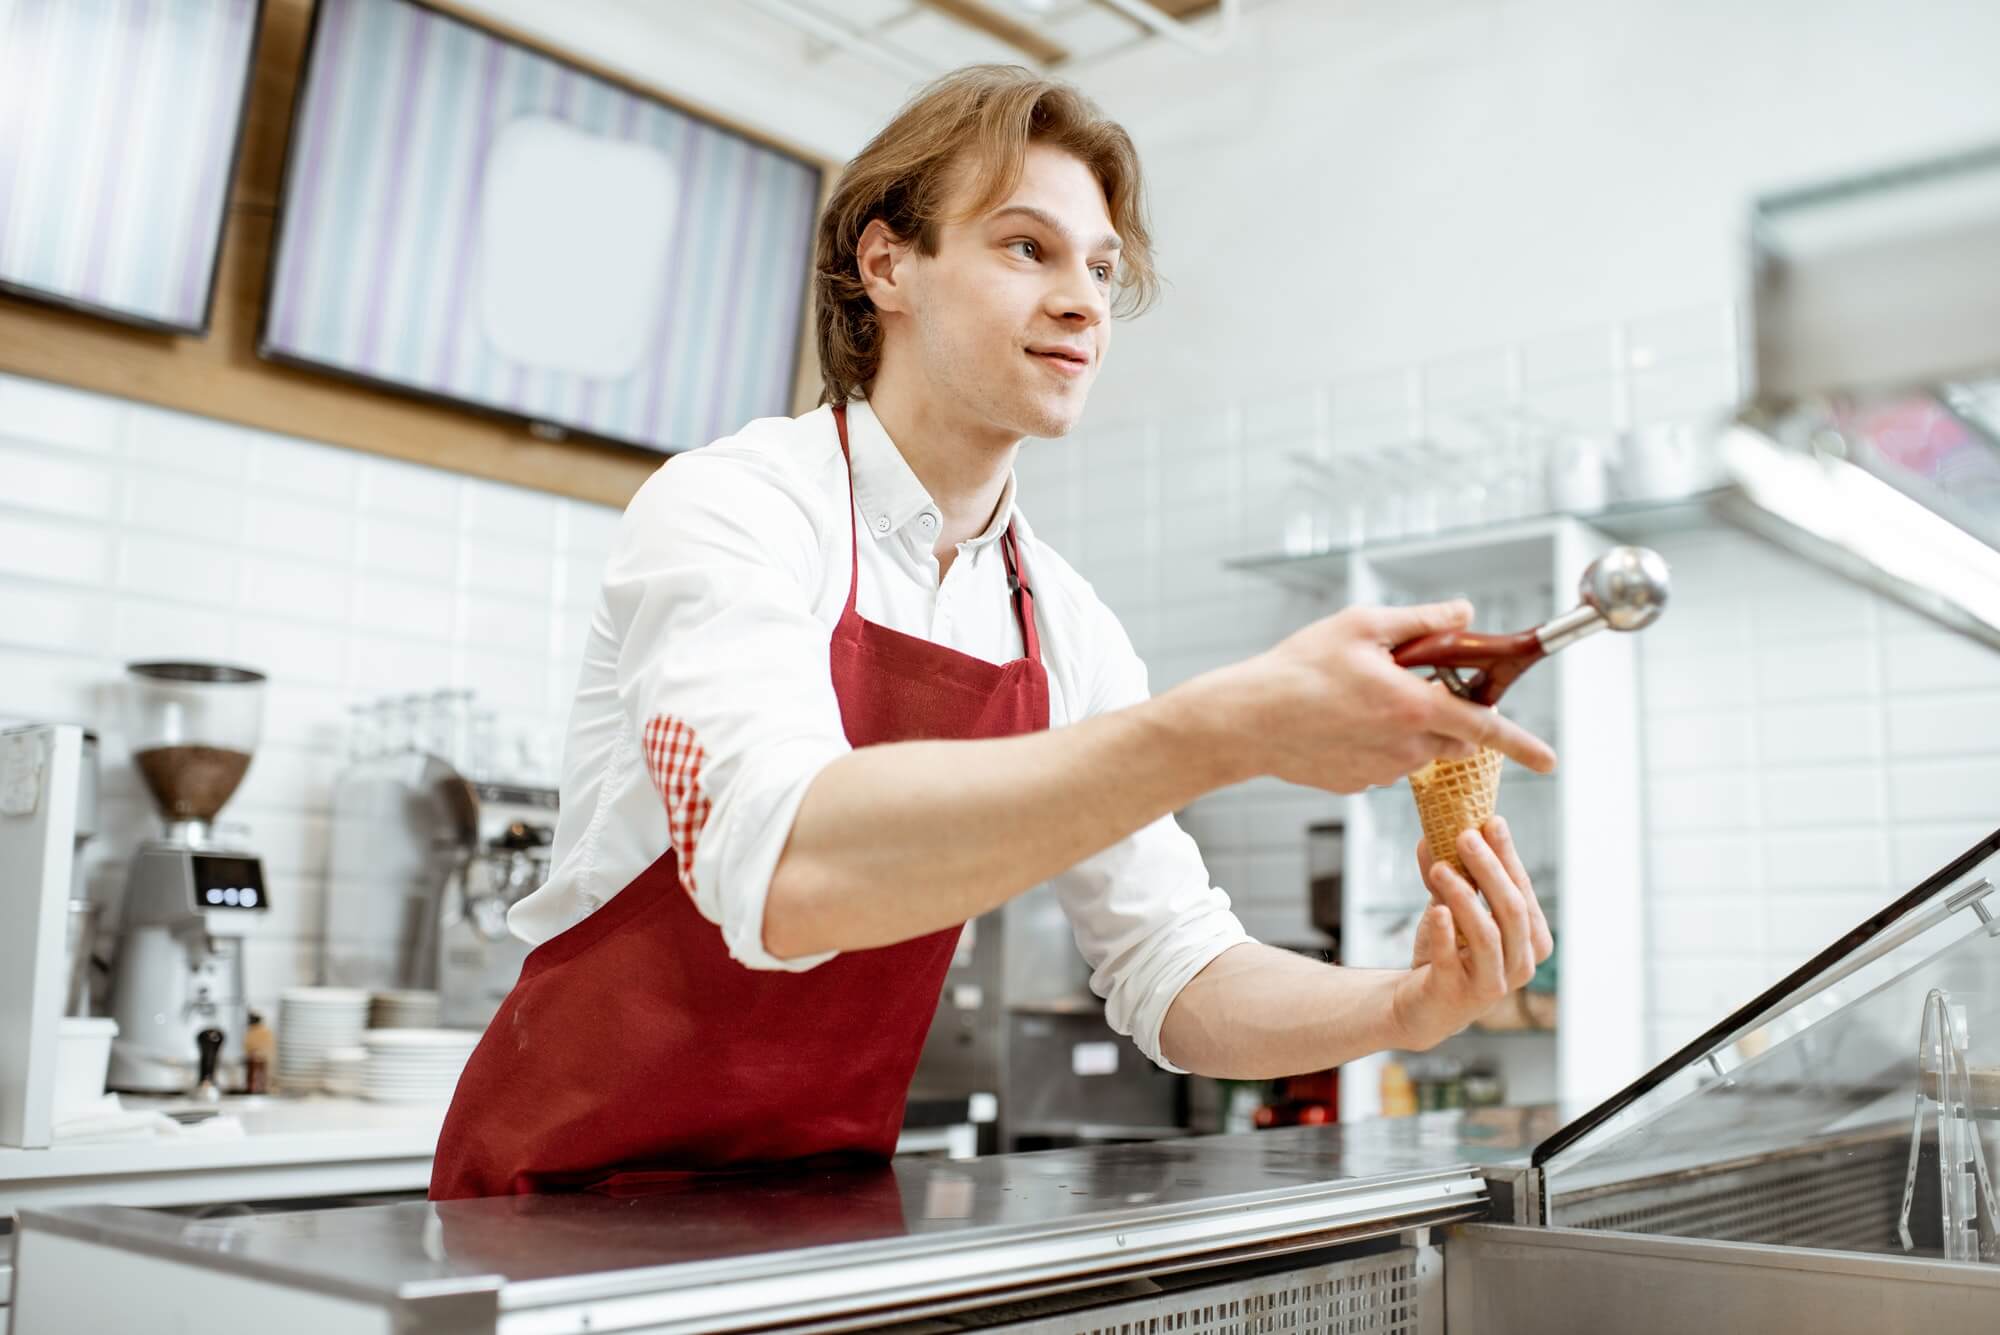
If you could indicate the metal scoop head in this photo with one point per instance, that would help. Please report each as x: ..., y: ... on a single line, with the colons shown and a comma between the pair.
x: 1627, y: 586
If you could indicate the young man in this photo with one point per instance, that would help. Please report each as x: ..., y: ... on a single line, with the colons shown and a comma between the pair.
x: 838, y: 700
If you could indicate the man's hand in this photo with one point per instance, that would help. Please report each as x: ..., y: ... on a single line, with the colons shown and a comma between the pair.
x: 1329, y: 708
x: 1451, y: 985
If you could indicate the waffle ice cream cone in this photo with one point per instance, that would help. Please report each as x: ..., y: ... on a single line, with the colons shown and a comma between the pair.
x: 1454, y: 796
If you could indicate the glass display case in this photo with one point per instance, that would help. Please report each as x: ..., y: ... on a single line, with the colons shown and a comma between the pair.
x: 1854, y: 1106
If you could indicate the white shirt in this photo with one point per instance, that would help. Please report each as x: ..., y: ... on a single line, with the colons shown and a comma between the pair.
x: 705, y: 706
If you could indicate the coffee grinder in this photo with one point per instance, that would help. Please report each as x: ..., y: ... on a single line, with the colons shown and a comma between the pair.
x: 178, y: 981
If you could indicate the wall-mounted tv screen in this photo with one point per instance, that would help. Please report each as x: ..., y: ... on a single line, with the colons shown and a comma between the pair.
x: 119, y: 127
x: 467, y: 218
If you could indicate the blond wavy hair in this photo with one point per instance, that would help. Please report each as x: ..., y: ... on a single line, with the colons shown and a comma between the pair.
x: 986, y: 116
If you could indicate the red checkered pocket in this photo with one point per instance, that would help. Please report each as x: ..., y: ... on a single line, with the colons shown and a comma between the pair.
x: 674, y: 760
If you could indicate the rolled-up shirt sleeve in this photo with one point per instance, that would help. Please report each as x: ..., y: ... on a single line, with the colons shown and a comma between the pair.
x: 723, y: 673
x: 1144, y: 912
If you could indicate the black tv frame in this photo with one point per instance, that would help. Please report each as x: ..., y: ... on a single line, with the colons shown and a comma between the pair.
x: 77, y: 306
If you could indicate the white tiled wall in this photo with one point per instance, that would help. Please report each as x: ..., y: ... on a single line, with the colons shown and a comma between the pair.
x: 1811, y: 751
x: 127, y: 532
x: 1810, y: 748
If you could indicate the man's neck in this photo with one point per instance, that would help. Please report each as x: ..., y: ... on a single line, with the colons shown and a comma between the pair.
x: 963, y: 465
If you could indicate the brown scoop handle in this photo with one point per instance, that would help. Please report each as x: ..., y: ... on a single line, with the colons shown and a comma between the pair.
x: 1488, y: 664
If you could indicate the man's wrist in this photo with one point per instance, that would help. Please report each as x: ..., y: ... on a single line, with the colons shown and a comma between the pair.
x: 1199, y: 718
x: 1405, y: 1031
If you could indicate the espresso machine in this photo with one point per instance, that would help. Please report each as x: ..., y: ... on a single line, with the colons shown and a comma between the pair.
x: 179, y: 973
x: 478, y: 956
x: 425, y: 862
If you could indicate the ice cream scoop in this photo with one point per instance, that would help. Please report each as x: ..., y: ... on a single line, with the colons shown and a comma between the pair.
x: 1624, y: 589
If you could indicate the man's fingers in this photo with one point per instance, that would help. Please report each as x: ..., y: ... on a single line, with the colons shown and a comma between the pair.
x: 1439, y: 944
x: 1393, y: 625
x: 1510, y: 909
x: 1483, y: 963
x: 1485, y: 726
x: 1501, y: 837
x: 1441, y: 747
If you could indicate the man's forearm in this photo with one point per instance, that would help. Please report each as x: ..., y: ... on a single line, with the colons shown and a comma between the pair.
x: 1257, y: 1013
x: 895, y: 841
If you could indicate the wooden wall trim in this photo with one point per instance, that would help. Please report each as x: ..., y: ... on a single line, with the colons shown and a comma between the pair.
x: 220, y: 376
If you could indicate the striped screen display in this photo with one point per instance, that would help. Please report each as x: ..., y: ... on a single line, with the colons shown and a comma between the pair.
x: 118, y: 125
x: 467, y: 218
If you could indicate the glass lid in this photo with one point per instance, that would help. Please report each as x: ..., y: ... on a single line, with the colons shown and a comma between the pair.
x: 1825, y: 1062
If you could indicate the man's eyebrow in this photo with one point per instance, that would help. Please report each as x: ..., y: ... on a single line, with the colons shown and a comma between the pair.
x: 1109, y: 241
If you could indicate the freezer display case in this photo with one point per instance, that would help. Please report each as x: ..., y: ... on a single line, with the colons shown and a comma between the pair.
x: 1822, y: 1159
x: 1854, y: 1106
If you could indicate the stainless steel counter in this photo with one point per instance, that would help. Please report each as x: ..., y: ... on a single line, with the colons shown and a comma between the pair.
x: 811, y: 1243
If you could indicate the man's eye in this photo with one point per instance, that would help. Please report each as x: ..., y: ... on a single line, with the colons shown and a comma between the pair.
x: 1028, y: 248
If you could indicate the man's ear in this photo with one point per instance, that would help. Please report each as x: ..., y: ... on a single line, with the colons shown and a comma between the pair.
x: 879, y: 256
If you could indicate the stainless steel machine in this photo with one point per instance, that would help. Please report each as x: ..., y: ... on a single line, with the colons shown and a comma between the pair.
x: 425, y: 863
x: 1020, y: 1048
x: 1872, y: 442
x: 192, y: 728
x: 477, y: 957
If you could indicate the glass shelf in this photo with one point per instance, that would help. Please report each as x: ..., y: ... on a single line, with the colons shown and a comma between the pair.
x: 1628, y: 521
x: 1411, y: 908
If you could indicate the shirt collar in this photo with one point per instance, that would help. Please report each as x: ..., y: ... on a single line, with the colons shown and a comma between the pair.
x: 886, y: 491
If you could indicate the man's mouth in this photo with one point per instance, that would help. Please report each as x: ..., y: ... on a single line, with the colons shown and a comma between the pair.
x: 1073, y: 361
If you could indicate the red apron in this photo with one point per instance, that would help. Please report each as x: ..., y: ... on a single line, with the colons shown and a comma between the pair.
x: 634, y: 1049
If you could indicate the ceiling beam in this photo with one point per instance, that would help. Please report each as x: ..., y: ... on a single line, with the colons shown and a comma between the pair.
x: 1023, y: 37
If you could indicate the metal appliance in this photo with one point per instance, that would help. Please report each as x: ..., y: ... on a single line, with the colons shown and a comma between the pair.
x: 425, y: 863
x: 1871, y: 443
x: 41, y: 789
x: 193, y: 728
x: 82, y: 965
x: 1326, y: 859
x: 478, y: 959
x: 1019, y: 1046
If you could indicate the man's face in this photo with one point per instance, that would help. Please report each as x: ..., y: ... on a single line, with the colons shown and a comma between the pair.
x: 1012, y: 316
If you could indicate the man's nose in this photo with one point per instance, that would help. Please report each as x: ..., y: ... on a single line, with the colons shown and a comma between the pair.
x: 1079, y: 300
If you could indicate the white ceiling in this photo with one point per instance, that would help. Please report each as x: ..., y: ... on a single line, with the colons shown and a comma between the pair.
x: 938, y: 39
x: 750, y: 67
x: 1084, y: 28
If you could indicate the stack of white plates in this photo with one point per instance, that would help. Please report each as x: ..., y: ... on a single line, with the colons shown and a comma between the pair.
x: 403, y: 1010
x: 310, y: 1021
x: 344, y: 1070
x: 415, y: 1065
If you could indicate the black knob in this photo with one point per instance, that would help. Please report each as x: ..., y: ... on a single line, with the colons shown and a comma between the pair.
x: 520, y: 836
x: 210, y: 1043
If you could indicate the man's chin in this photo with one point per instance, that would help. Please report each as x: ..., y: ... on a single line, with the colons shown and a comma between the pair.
x: 1050, y: 418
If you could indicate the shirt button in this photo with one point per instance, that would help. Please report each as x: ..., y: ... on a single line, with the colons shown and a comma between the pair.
x: 927, y: 521
x: 882, y: 524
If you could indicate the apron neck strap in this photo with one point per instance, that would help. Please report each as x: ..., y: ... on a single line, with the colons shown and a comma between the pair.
x: 853, y: 523
x: 1017, y: 571
x: 1024, y: 597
